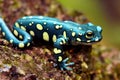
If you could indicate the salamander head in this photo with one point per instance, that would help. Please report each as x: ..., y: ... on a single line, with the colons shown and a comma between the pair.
x: 87, y: 34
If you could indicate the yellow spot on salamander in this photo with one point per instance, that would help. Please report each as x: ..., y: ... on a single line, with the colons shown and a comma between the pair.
x: 23, y: 28
x: 45, y: 23
x: 3, y: 33
x: 80, y: 28
x: 30, y: 24
x: 21, y: 45
x: 78, y: 39
x: 20, y: 36
x: 28, y: 44
x: 58, y: 26
x: 39, y: 27
x: 24, y: 18
x: 88, y: 41
x: 32, y: 33
x: 15, y: 33
x: 63, y: 41
x: 73, y: 34
x: 57, y: 51
x: 64, y: 34
x: 11, y: 41
x: 54, y: 38
x: 45, y: 36
x: 80, y: 34
x: 59, y: 58
x: 17, y: 24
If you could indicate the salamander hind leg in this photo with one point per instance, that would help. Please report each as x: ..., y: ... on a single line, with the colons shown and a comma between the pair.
x: 58, y: 53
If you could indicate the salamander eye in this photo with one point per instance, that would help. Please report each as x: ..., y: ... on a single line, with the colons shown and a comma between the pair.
x: 89, y: 34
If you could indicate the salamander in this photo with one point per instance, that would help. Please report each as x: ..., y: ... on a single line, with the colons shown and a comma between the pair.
x: 51, y: 30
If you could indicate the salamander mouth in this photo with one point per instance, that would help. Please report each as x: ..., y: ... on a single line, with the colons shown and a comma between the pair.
x: 83, y: 43
x: 91, y: 42
x: 86, y: 43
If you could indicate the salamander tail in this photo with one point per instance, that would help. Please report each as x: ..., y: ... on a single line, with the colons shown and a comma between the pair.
x: 25, y: 42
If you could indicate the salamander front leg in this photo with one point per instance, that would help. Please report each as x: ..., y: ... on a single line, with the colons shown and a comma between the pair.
x: 58, y: 51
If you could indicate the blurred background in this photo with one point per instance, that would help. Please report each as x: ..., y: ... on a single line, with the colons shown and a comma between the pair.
x: 105, y: 13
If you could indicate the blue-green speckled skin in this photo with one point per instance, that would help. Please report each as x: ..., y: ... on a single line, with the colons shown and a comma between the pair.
x: 51, y: 30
